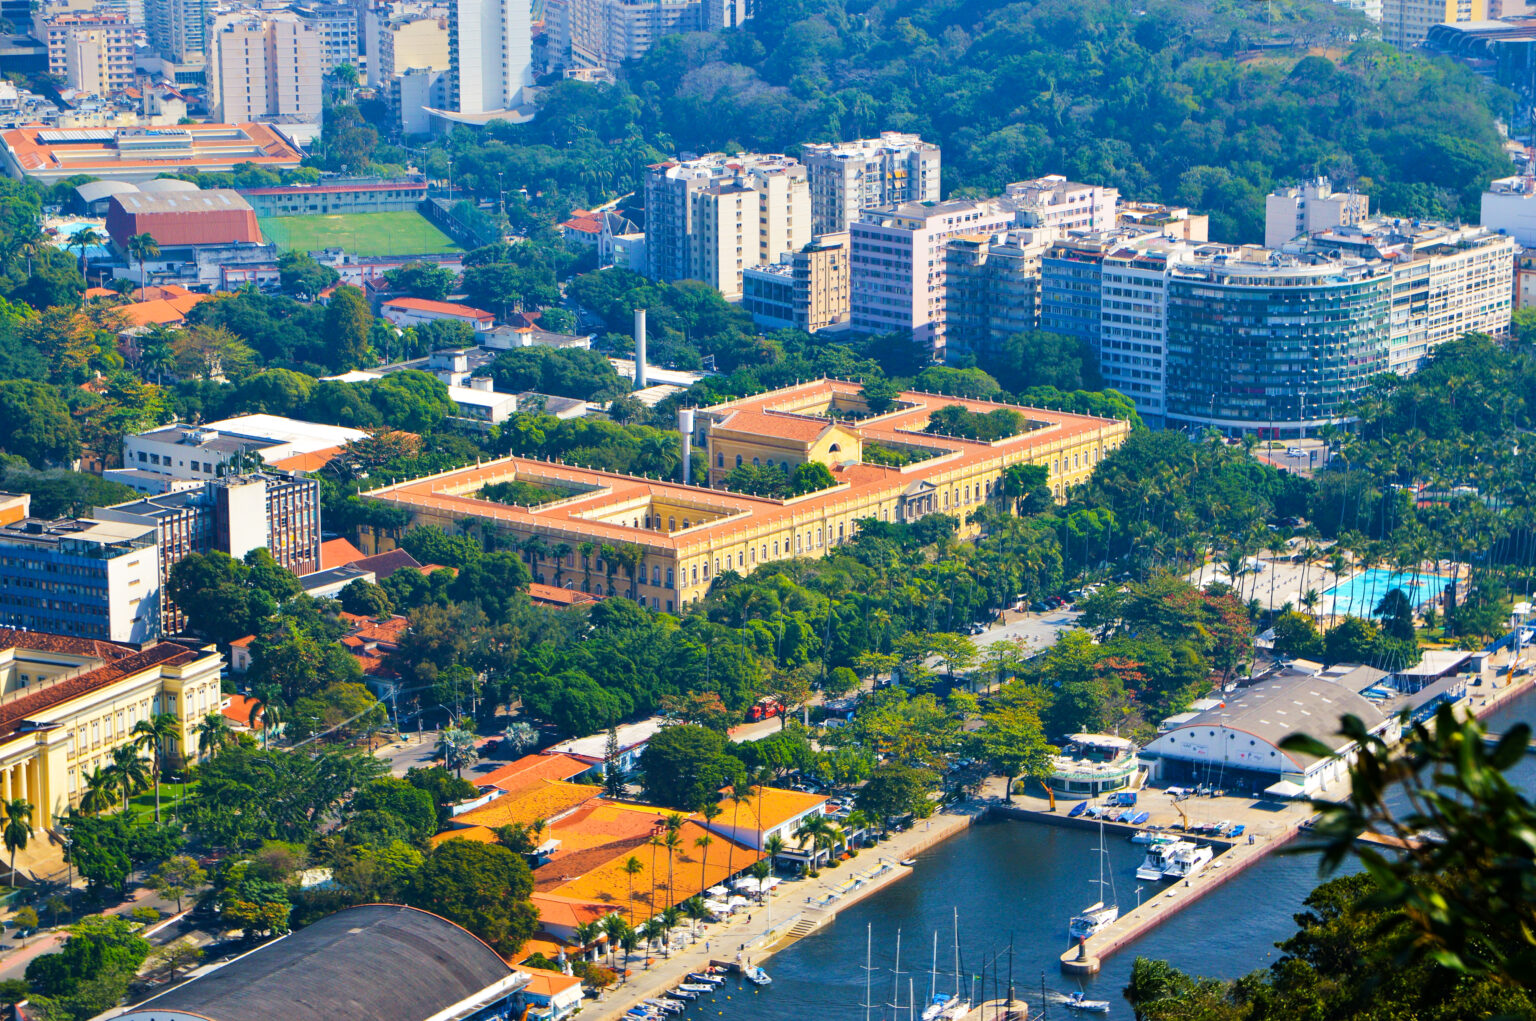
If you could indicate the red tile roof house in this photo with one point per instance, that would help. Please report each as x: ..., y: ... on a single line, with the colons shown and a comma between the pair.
x: 405, y: 312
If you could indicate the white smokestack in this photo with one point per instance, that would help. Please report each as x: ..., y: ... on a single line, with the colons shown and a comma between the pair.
x: 685, y: 426
x: 639, y: 349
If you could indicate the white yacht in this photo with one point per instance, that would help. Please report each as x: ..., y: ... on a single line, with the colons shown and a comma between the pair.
x: 1097, y: 915
x: 1186, y: 859
x: 1155, y: 863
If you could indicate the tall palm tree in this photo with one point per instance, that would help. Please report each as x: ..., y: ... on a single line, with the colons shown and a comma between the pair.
x: 671, y: 842
x: 586, y: 935
x: 632, y: 868
x: 18, y: 828
x: 86, y: 237
x: 738, y: 795
x: 773, y: 847
x: 143, y: 247
x: 702, y: 843
x: 129, y: 770
x: 656, y: 845
x: 156, y: 733
x: 615, y: 927
x: 100, y: 792
x: 214, y: 734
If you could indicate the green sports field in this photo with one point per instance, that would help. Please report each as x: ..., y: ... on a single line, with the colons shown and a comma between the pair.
x: 359, y: 233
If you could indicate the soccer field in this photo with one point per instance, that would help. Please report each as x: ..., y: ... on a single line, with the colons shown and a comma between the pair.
x: 407, y: 233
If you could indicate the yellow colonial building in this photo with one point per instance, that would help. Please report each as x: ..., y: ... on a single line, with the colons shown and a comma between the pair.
x: 67, y: 703
x: 661, y: 543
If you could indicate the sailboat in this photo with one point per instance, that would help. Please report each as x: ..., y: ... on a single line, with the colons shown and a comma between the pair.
x: 1097, y: 915
x: 941, y: 1007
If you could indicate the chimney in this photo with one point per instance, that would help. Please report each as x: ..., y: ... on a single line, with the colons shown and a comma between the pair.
x: 639, y: 349
x: 685, y: 426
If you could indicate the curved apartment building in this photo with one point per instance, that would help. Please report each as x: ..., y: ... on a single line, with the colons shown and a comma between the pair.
x: 1274, y: 342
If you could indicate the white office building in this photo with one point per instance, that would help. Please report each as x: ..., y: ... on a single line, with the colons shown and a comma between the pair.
x: 1509, y: 207
x: 81, y: 577
x: 897, y: 264
x: 849, y: 177
x: 177, y: 457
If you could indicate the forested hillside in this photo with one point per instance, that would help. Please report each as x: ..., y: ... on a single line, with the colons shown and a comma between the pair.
x: 1205, y: 102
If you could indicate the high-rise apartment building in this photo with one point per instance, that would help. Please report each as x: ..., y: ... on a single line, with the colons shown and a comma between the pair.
x: 336, y: 25
x: 992, y: 289
x: 716, y: 15
x: 1261, y: 340
x: 401, y: 36
x: 490, y: 48
x: 89, y: 51
x: 605, y: 33
x: 265, y: 65
x: 80, y: 577
x: 806, y: 289
x: 1310, y: 207
x: 849, y: 177
x: 897, y: 266
x: 1053, y: 202
x: 235, y: 514
x: 178, y: 29
x: 1406, y: 23
x: 1447, y: 281
x: 711, y: 218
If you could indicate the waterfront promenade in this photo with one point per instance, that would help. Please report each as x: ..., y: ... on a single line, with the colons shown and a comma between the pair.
x: 795, y: 909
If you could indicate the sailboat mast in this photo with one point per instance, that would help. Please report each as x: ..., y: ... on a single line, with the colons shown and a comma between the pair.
x: 896, y: 976
x: 869, y: 945
x: 933, y: 968
x: 911, y: 1001
x: 957, y: 953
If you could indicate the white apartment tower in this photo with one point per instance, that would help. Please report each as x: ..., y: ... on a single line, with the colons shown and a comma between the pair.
x: 1309, y: 207
x: 849, y: 177
x: 178, y: 29
x: 897, y: 264
x: 265, y: 65
x: 1055, y: 203
x: 710, y: 218
x: 490, y: 48
x: 605, y: 33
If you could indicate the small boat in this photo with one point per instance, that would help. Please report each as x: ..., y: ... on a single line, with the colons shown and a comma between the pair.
x: 1237, y: 830
x: 1185, y: 859
x: 682, y: 994
x: 666, y: 1006
x: 1078, y: 809
x: 696, y: 987
x: 1091, y: 919
x: 757, y: 976
x: 713, y: 980
x: 908, y: 862
x: 1077, y: 1001
x: 1155, y: 863
x: 1151, y: 837
x: 1140, y: 817
x: 1114, y: 816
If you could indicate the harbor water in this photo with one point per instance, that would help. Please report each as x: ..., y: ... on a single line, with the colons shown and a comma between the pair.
x: 1018, y: 882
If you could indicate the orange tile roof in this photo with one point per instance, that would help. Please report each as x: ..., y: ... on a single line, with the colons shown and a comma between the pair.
x: 777, y: 806
x: 530, y: 770
x: 162, y: 311
x: 446, y: 308
x: 312, y: 461
x: 214, y: 147
x: 551, y: 595
x: 544, y: 943
x: 548, y: 799
x: 546, y: 983
x: 564, y: 911
x: 100, y: 292
x: 238, y: 710
x: 736, y: 515
x: 338, y: 553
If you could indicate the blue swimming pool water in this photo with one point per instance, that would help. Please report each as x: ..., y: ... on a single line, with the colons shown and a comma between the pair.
x: 1360, y: 594
x: 68, y: 230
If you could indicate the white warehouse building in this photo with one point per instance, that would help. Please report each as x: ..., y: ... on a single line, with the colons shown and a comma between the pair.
x: 1236, y: 745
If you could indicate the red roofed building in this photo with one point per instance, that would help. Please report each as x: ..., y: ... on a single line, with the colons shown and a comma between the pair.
x: 405, y: 312
x: 564, y: 598
x: 183, y: 219
x: 338, y: 553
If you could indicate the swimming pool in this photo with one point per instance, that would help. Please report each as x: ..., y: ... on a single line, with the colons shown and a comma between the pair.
x: 69, y: 229
x: 1360, y: 594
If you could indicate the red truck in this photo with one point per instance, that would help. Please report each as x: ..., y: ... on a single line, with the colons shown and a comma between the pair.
x: 765, y: 708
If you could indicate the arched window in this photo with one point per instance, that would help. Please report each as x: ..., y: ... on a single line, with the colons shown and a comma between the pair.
x: 738, y: 460
x: 719, y: 460
x: 770, y: 462
x: 695, y: 574
x: 775, y: 547
x: 655, y: 574
x: 756, y: 463
x: 669, y: 577
x: 686, y: 523
x: 946, y: 500
x: 836, y: 448
x: 839, y: 532
x: 671, y: 524
x: 754, y: 556
x: 818, y: 535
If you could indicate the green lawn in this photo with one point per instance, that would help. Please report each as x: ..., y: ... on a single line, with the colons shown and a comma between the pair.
x: 359, y: 233
x: 143, y: 803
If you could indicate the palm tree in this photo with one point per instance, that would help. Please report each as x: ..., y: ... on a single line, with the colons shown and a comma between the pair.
x: 629, y: 941
x: 702, y: 843
x: 738, y: 795
x: 615, y: 927
x: 773, y: 847
x: 586, y: 935
x: 214, y: 734
x: 85, y: 237
x: 129, y: 770
x: 100, y: 792
x: 814, y: 832
x: 156, y: 733
x: 671, y: 842
x: 143, y: 247
x: 18, y: 828
x: 632, y: 868
x: 456, y: 747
